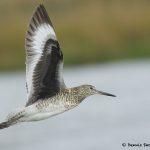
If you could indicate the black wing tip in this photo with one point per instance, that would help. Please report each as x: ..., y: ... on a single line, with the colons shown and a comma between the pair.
x: 39, y: 17
x: 41, y: 11
x: 41, y: 6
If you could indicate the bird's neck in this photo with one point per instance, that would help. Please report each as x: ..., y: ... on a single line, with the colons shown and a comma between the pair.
x: 76, y: 95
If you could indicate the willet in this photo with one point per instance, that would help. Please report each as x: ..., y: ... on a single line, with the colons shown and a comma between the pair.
x: 47, y: 93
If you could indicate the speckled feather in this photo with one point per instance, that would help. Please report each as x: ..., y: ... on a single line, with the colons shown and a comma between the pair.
x: 47, y: 93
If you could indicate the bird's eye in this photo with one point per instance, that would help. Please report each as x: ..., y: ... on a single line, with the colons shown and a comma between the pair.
x: 91, y: 88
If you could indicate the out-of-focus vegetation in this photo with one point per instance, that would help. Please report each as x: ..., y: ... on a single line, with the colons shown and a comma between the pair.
x: 89, y: 31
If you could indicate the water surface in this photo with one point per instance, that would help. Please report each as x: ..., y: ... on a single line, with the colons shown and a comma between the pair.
x: 99, y: 123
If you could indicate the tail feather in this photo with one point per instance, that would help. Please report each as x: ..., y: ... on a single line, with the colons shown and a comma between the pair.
x: 5, y: 124
x: 14, y: 119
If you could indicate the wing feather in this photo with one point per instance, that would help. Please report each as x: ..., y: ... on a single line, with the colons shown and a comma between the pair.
x: 44, y: 59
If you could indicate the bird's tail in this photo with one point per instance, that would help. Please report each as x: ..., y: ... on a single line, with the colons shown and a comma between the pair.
x: 10, y: 122
x: 13, y: 118
x: 5, y: 124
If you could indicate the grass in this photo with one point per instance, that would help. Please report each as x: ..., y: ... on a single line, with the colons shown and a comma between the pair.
x: 89, y: 31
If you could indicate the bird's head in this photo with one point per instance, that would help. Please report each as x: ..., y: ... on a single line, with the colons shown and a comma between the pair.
x: 88, y: 90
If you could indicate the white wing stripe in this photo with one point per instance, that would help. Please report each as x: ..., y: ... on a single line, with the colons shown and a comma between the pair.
x: 39, y: 38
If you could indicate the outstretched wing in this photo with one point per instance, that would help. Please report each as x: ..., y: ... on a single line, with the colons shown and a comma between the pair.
x: 44, y: 59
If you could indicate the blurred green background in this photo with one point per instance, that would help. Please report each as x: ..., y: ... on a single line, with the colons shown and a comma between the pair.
x: 89, y: 31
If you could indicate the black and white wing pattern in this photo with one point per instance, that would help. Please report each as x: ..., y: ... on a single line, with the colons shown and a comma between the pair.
x: 44, y: 59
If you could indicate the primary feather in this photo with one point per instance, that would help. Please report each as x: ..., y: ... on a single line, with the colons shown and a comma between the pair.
x: 44, y: 61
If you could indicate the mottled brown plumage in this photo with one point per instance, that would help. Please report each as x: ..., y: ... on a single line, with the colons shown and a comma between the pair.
x: 47, y: 92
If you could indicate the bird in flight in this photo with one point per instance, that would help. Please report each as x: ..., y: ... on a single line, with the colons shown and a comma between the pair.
x: 47, y: 93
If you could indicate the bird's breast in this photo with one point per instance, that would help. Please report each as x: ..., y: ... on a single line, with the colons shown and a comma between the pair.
x: 44, y: 109
x: 56, y: 104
